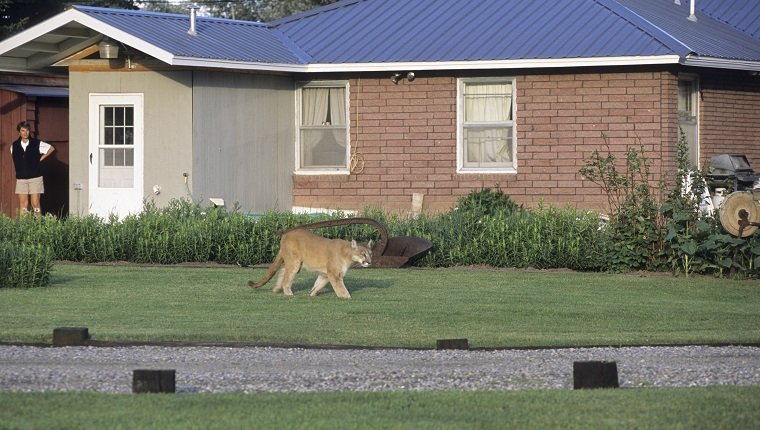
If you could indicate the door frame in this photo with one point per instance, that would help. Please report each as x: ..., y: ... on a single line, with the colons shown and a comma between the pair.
x: 118, y: 201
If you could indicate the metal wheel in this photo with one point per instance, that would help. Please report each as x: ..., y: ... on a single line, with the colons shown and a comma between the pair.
x: 731, y: 213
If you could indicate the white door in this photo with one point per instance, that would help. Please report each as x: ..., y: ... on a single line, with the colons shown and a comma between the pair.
x: 116, y: 154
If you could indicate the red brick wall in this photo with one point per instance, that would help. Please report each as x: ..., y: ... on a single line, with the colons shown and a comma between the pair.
x: 730, y: 115
x: 406, y: 136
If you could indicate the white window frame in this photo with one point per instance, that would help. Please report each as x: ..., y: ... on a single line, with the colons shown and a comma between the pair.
x: 694, y: 147
x: 343, y: 170
x: 461, y: 82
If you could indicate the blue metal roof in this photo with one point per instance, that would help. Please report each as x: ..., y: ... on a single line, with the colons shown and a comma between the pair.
x: 356, y: 31
x: 370, y: 34
x: 744, y: 15
x: 37, y: 90
x: 220, y: 39
x: 388, y: 31
x: 454, y: 30
x: 707, y: 36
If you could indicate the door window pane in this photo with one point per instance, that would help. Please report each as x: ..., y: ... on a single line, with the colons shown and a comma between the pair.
x: 116, y: 169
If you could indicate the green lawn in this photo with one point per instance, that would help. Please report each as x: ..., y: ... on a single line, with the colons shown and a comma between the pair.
x: 389, y: 307
x: 683, y: 408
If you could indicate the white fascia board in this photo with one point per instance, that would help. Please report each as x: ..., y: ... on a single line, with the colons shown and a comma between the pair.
x: 38, y: 30
x: 722, y: 63
x: 442, y: 65
x: 73, y: 15
x: 494, y: 64
x: 237, y: 65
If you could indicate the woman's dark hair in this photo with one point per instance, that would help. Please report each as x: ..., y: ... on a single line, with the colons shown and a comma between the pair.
x: 23, y: 124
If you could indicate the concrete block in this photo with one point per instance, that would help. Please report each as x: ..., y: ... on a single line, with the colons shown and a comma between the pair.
x: 154, y: 381
x: 70, y: 336
x: 595, y: 374
x: 452, y: 344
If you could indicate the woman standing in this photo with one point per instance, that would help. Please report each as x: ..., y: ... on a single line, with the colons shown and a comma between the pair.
x: 28, y: 154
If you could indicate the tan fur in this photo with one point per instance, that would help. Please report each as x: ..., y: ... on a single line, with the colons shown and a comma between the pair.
x: 330, y: 258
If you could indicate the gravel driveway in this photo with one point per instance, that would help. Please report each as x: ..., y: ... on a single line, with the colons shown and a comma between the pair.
x: 264, y: 369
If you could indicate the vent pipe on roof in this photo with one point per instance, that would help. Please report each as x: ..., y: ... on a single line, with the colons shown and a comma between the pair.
x: 692, y: 7
x: 678, y: 2
x: 193, y: 13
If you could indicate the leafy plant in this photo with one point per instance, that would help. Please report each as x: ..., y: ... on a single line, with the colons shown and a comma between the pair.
x: 632, y: 226
x: 673, y: 235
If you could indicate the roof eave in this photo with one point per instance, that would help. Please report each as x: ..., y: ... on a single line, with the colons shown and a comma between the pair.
x: 722, y: 63
x: 235, y: 65
x: 124, y: 37
x: 62, y: 19
x: 418, y: 65
x: 494, y: 64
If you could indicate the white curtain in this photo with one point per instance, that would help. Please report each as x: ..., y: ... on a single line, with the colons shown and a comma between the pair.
x: 338, y: 106
x: 323, y: 141
x: 315, y: 105
x: 488, y: 145
x: 487, y: 103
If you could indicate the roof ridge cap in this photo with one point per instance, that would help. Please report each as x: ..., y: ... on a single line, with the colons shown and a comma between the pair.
x: 312, y: 12
x: 648, y: 27
x: 155, y: 14
x: 294, y: 49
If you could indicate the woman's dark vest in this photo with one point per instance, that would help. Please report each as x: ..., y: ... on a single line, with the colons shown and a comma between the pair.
x: 27, y: 162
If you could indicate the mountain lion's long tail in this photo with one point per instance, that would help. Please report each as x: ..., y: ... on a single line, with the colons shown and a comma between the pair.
x: 270, y: 272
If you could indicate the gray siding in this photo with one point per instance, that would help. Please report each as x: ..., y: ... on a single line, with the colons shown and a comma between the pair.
x: 243, y: 139
x: 168, y: 104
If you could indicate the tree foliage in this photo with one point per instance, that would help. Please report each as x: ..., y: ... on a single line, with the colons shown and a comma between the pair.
x: 247, y: 10
x: 18, y: 15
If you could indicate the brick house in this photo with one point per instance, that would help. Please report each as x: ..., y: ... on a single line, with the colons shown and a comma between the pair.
x: 397, y: 104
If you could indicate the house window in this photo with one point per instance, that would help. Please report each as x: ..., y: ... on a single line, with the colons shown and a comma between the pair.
x: 688, y: 115
x: 117, y: 140
x: 486, y: 135
x: 323, y: 144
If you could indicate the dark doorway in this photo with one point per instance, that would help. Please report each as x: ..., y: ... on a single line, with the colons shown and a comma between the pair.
x: 46, y: 109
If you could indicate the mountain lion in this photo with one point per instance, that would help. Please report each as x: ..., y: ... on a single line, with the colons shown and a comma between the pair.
x: 330, y: 258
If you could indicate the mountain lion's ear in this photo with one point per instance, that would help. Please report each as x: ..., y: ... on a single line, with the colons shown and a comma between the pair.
x: 369, y: 244
x: 353, y: 244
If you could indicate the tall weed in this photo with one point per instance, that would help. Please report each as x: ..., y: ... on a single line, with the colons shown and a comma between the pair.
x: 24, y: 266
x: 633, y: 219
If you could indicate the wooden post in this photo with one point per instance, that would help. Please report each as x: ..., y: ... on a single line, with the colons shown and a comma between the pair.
x: 153, y: 381
x: 70, y: 336
x: 452, y: 344
x: 595, y: 374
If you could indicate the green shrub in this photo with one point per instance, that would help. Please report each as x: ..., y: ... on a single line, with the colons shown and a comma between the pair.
x: 671, y: 234
x: 487, y: 228
x: 545, y: 237
x: 486, y: 202
x: 24, y: 266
